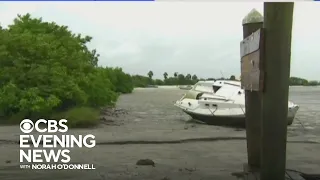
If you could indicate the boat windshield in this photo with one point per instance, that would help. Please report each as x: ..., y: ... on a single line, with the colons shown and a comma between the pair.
x: 216, y: 88
x: 227, y: 91
x: 203, y: 88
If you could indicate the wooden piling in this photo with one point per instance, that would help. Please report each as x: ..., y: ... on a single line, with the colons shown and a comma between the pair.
x: 278, y: 29
x: 251, y: 23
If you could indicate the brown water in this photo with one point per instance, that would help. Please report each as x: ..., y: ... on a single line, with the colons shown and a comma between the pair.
x: 309, y: 113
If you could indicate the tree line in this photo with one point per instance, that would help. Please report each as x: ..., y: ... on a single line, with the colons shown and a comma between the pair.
x: 188, y: 79
x: 176, y: 79
x: 296, y: 81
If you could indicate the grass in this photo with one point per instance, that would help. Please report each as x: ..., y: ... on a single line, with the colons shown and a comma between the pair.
x: 79, y: 117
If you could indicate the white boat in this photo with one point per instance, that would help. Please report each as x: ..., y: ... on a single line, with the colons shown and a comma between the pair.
x: 199, y: 88
x: 188, y: 87
x: 224, y: 105
x: 202, y: 87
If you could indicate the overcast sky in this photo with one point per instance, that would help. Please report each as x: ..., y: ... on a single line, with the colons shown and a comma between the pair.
x: 197, y: 38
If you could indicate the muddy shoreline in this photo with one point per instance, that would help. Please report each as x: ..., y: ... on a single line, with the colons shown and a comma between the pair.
x: 149, y: 127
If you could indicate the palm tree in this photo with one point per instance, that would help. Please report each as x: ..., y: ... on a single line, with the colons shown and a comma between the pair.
x: 232, y: 77
x: 188, y: 76
x: 150, y: 74
x: 194, y: 77
x: 165, y: 75
x: 175, y: 74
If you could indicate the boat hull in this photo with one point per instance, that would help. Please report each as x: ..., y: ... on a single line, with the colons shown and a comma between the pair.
x: 234, y: 121
x: 185, y: 88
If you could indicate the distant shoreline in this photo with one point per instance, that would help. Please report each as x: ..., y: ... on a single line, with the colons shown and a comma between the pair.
x: 177, y: 86
x: 304, y: 85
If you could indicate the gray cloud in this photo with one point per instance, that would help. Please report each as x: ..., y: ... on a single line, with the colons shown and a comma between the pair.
x: 197, y: 38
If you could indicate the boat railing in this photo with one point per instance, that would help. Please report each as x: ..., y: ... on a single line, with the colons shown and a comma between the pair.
x: 232, y: 84
x: 182, y: 97
x: 215, y: 96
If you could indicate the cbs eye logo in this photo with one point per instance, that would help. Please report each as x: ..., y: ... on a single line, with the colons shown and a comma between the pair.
x: 26, y: 126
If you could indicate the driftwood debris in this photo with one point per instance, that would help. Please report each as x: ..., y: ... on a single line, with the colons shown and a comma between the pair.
x: 145, y: 162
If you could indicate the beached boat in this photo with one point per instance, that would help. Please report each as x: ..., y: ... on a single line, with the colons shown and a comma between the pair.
x: 188, y: 87
x: 151, y: 86
x: 202, y: 87
x: 224, y: 105
x: 199, y: 88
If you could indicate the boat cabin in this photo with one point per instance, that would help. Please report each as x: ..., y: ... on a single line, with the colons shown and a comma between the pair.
x: 225, y: 90
x: 218, y: 84
x: 204, y: 86
x: 214, y: 86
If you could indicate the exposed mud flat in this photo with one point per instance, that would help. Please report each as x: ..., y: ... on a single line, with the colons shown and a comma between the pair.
x: 112, y: 116
x: 149, y: 114
x: 154, y: 108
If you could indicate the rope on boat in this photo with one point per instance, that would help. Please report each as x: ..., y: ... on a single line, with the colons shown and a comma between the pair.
x: 242, y: 110
x: 213, y: 111
x: 300, y: 123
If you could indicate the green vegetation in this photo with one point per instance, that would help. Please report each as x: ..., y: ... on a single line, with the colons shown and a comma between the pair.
x: 295, y: 81
x: 46, y: 71
x: 176, y: 79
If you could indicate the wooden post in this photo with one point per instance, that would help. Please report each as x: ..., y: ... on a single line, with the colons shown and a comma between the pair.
x: 251, y: 23
x: 278, y: 26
